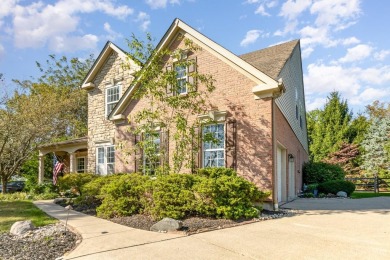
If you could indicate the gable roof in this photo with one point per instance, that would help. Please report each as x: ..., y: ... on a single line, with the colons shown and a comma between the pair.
x: 264, y: 82
x: 100, y: 61
x: 271, y: 60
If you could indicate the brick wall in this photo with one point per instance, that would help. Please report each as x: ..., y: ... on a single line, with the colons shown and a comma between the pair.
x: 286, y: 137
x: 233, y: 94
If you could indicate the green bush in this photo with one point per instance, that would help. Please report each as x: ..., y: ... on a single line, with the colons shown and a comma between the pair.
x: 216, y: 172
x: 318, y: 172
x: 170, y: 196
x: 46, y: 187
x: 336, y: 186
x: 74, y: 182
x: 311, y: 187
x: 123, y: 196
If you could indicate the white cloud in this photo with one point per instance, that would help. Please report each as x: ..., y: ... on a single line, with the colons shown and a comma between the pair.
x: 72, y: 43
x: 306, y: 52
x: 351, y: 82
x: 144, y: 20
x: 38, y: 24
x: 261, y: 10
x: 292, y: 9
x: 350, y: 41
x: 156, y: 4
x: 2, y: 51
x: 335, y: 12
x: 381, y: 55
x: 112, y: 35
x: 250, y: 37
x: 325, y: 17
x: 359, y: 52
x: 7, y: 7
x: 369, y: 95
x: 316, y: 103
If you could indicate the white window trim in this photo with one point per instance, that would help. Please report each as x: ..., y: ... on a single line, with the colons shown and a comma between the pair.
x: 157, y: 131
x: 105, y: 160
x: 119, y: 85
x: 215, y: 149
x: 185, y: 77
x: 77, y: 164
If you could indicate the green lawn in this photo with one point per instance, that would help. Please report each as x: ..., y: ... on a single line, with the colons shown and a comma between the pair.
x: 12, y: 211
x: 362, y: 195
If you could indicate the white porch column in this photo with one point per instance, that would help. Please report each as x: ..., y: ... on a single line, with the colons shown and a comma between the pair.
x: 41, y: 168
x: 72, y: 162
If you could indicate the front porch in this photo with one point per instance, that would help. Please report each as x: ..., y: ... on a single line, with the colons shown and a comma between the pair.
x: 73, y: 153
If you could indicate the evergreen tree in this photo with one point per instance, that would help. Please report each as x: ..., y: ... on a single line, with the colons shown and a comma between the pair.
x: 328, y: 128
x: 376, y: 155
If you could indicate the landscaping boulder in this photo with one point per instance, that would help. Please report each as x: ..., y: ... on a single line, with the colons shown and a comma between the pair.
x: 166, y: 225
x: 342, y: 194
x: 21, y: 227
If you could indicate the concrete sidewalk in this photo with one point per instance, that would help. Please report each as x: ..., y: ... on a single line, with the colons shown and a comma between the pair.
x: 326, y: 233
x: 99, y: 235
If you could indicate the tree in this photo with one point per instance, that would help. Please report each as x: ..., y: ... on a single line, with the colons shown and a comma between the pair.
x: 376, y: 157
x: 64, y: 77
x: 170, y: 112
x: 328, y: 128
x: 27, y: 121
x: 346, y: 157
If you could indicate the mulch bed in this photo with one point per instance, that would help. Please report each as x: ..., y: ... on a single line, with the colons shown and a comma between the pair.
x: 191, y: 225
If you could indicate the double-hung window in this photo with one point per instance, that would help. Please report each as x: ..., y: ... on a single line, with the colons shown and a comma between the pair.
x: 105, y: 159
x: 151, y: 153
x: 181, y: 78
x: 80, y: 164
x: 112, y: 97
x: 213, y: 145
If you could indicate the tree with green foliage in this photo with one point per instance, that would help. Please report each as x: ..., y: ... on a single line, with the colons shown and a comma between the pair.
x: 64, y: 77
x: 26, y: 121
x: 167, y: 110
x: 376, y: 158
x: 328, y: 128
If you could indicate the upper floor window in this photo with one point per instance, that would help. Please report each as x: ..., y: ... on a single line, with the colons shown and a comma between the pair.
x: 213, y: 145
x: 112, y: 97
x: 181, y: 77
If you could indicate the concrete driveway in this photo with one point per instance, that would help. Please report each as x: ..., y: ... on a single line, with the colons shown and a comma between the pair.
x: 326, y: 229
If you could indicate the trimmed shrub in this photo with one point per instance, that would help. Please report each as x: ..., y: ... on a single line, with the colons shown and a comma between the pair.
x: 336, y: 186
x: 123, y: 196
x: 75, y: 182
x: 216, y: 172
x: 318, y: 172
x: 170, y: 196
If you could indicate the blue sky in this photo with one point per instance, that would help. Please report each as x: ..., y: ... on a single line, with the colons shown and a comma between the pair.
x: 345, y: 43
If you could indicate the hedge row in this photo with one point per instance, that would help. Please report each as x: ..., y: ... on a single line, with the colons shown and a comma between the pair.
x: 213, y: 192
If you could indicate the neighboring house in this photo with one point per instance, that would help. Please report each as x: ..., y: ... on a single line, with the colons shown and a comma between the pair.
x: 258, y: 106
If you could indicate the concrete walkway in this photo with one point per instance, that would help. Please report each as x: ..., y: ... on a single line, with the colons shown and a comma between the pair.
x: 336, y: 230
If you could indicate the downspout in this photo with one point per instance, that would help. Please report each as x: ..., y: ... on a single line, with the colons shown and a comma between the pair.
x: 282, y: 89
x: 274, y: 170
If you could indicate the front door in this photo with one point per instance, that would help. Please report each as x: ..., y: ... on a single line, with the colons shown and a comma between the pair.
x: 291, y: 180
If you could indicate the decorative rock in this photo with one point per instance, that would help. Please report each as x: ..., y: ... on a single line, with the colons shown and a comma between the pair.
x: 21, y: 227
x: 342, y: 194
x: 166, y: 225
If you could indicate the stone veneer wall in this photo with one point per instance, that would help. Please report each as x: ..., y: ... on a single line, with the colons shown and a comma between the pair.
x: 233, y: 94
x: 99, y: 128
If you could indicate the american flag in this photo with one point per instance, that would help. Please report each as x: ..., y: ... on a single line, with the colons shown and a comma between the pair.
x: 57, y: 168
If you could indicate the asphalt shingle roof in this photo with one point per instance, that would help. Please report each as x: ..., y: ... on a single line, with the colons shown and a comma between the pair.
x: 271, y: 60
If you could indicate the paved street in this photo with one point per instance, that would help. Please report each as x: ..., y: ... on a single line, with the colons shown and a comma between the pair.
x: 339, y: 229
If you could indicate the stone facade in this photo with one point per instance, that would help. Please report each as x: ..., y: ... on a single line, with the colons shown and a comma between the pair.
x: 100, y: 129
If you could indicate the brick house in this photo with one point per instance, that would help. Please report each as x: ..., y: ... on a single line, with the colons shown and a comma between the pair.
x: 258, y: 106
